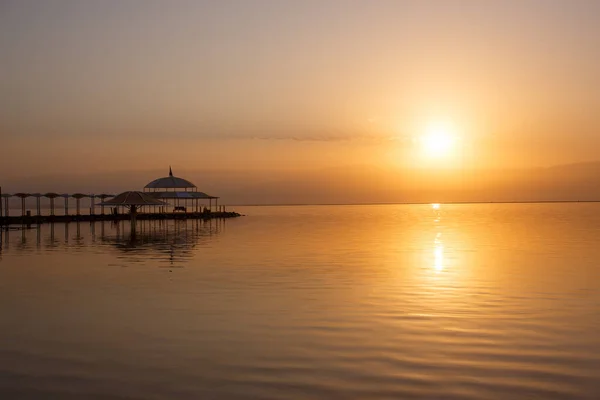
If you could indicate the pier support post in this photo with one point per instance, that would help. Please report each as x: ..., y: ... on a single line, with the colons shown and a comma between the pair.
x: 133, y: 212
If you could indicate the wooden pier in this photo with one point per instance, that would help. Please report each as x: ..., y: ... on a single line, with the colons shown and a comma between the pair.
x: 184, y: 196
x: 42, y: 219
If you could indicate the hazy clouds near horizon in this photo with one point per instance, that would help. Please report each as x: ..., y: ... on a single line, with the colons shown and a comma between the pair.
x: 95, y: 87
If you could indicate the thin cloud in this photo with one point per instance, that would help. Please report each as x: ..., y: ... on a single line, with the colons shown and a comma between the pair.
x: 315, y: 138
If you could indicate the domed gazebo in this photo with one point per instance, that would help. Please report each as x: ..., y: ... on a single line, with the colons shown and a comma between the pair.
x: 180, y: 190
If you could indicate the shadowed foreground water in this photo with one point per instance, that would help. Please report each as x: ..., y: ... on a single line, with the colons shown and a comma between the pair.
x: 324, y: 302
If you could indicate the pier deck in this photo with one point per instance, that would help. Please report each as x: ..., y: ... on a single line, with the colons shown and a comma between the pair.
x: 41, y: 219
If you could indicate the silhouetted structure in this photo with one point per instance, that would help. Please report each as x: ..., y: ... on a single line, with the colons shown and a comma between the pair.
x: 22, y: 196
x: 133, y: 200
x: 179, y: 190
x: 78, y: 197
x: 51, y: 196
x: 155, y: 194
x: 5, y: 197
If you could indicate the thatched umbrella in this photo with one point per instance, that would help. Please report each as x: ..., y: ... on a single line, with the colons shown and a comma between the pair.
x: 51, y: 196
x: 37, y: 203
x: 102, y: 197
x: 6, y: 196
x: 78, y: 197
x: 22, y: 196
x: 66, y: 197
x: 133, y: 201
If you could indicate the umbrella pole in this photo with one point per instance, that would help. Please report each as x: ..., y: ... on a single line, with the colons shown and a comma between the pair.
x: 133, y: 213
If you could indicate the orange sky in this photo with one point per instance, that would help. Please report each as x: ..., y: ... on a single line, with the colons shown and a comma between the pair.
x: 270, y: 85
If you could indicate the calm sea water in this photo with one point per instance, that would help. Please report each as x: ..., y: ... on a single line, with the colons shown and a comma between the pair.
x: 323, y: 302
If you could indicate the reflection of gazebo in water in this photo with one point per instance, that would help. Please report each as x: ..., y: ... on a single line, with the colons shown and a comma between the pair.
x: 181, y: 191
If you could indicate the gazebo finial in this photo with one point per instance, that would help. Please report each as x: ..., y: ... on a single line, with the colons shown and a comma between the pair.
x: 170, y: 171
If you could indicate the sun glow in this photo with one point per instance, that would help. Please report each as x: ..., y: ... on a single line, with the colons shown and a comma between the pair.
x: 439, y: 140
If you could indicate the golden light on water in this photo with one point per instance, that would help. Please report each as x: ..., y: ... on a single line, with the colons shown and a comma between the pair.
x: 438, y: 253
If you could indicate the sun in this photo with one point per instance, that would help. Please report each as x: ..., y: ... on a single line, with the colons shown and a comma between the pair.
x: 438, y: 140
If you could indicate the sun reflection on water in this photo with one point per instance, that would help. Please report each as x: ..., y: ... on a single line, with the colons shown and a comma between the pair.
x: 438, y: 248
x: 438, y: 253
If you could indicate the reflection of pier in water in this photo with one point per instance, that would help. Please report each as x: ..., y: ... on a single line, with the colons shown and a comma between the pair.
x: 163, y: 240
x: 170, y: 241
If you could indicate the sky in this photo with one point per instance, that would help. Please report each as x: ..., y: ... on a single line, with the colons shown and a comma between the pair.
x: 98, y: 88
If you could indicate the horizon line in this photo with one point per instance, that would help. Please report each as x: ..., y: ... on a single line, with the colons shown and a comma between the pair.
x: 415, y: 203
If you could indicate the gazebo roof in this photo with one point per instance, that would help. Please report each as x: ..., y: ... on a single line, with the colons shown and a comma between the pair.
x: 170, y: 182
x: 133, y: 199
